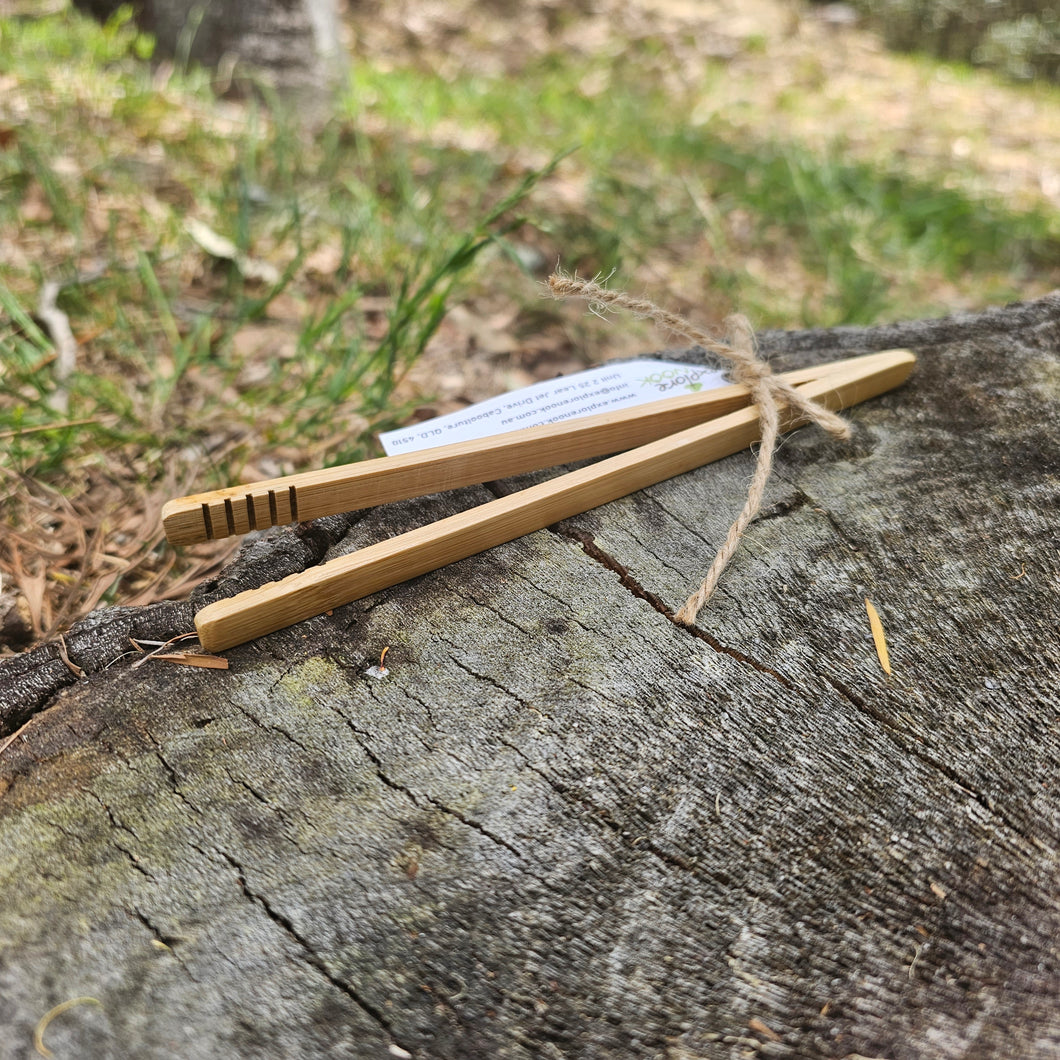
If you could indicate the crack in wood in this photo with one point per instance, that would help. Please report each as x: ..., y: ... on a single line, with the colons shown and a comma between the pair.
x: 164, y: 939
x: 782, y: 508
x: 564, y: 603
x: 909, y: 746
x: 605, y: 817
x: 279, y: 811
x: 174, y: 784
x: 605, y: 559
x: 167, y: 940
x: 507, y: 619
x: 116, y: 826
x: 115, y: 823
x: 596, y: 692
x: 134, y: 860
x: 487, y: 679
x: 805, y: 500
x: 309, y: 954
x: 426, y: 710
x: 270, y: 726
x: 361, y: 739
x: 473, y: 824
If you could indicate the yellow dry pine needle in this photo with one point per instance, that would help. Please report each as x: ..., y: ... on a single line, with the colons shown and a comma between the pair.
x: 209, y: 662
x: 878, y: 638
x: 38, y: 1034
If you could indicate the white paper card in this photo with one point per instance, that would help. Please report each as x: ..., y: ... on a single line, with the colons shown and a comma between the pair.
x: 613, y: 386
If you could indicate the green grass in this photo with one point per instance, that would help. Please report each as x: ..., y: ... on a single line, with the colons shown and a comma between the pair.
x: 866, y: 231
x: 162, y: 369
x: 870, y: 236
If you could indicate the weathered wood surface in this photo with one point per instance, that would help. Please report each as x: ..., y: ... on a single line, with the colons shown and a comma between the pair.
x: 564, y: 825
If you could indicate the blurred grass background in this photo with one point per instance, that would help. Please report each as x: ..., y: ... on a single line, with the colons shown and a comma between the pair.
x: 253, y: 292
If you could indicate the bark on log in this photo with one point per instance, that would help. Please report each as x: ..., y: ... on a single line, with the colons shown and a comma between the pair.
x: 565, y: 826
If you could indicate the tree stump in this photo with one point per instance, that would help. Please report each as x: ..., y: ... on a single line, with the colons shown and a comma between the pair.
x: 291, y: 44
x: 565, y: 826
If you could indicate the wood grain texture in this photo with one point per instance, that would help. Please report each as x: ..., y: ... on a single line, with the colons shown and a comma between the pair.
x: 564, y: 826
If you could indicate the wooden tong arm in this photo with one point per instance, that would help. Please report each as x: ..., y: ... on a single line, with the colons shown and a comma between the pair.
x: 299, y: 596
x: 312, y: 494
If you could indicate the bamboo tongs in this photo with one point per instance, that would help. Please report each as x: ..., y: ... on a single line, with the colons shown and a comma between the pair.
x: 663, y: 439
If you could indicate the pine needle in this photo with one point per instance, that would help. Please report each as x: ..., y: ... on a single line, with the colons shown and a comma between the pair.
x: 878, y: 637
x: 209, y: 662
x: 38, y: 1034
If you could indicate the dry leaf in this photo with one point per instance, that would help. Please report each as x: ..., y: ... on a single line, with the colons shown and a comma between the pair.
x: 219, y: 247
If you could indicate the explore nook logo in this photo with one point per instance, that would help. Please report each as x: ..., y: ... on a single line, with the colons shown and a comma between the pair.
x: 680, y: 377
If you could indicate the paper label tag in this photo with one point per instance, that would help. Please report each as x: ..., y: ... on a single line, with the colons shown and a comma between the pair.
x: 613, y: 386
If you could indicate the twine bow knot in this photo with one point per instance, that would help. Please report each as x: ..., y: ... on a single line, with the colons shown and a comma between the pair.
x: 769, y: 393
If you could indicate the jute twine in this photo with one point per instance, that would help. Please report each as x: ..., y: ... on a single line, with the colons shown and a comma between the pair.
x: 768, y: 392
